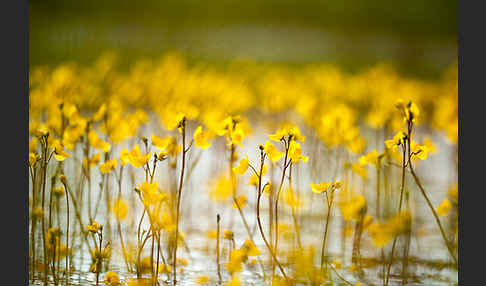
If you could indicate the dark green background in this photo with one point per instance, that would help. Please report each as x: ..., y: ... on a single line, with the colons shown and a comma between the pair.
x: 418, y: 36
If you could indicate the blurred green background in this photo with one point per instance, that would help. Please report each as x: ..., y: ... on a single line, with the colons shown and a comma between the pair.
x: 419, y: 37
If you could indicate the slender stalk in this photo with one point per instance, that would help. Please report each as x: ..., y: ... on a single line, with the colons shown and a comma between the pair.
x: 341, y: 277
x: 67, y: 235
x: 358, y: 231
x: 444, y: 237
x: 217, y: 248
x: 402, y: 187
x: 292, y: 208
x: 124, y: 252
x: 329, y: 204
x: 54, y: 244
x: 258, y: 217
x: 406, y: 250
x: 233, y: 184
x: 378, y: 173
x: 278, y: 193
x: 174, y: 263
x: 98, y: 266
x: 140, y: 246
x: 33, y: 223
x: 158, y: 256
x: 235, y: 200
x: 44, y: 178
x: 77, y: 215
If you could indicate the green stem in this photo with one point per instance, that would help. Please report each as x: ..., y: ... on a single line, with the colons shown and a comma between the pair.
x: 179, y: 192
x: 444, y: 237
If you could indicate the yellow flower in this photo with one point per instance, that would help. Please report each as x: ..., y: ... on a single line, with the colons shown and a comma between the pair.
x: 412, y: 112
x: 94, y: 227
x: 120, y: 209
x: 201, y: 138
x: 278, y: 136
x: 454, y: 193
x: 287, y: 130
x: 319, y: 188
x: 168, y: 145
x: 136, y: 158
x: 111, y: 278
x: 444, y: 208
x: 222, y: 189
x: 203, y: 280
x: 372, y: 158
x: 59, y: 153
x: 100, y: 113
x: 237, y: 135
x: 398, y: 139
x: 235, y: 281
x: 97, y: 142
x: 174, y: 121
x: 291, y: 199
x: 254, y: 178
x: 164, y: 268
x: 352, y: 206
x: 33, y: 158
x: 241, y: 202
x: 108, y: 166
x: 237, y: 257
x: 379, y: 235
x: 337, y: 184
x: 228, y: 234
x: 267, y: 188
x: 59, y: 191
x: 356, y: 145
x: 272, y: 152
x: 212, y: 233
x: 359, y: 169
x: 165, y: 221
x: 124, y: 156
x: 367, y: 220
x: 419, y: 151
x: 151, y: 193
x: 146, y: 265
x: 429, y: 145
x: 91, y: 162
x: 161, y: 143
x: 295, y: 153
x: 33, y: 145
x: 242, y: 167
x: 224, y: 126
x: 250, y: 248
x: 382, y: 233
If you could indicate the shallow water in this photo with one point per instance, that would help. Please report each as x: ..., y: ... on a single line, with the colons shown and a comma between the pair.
x: 429, y: 260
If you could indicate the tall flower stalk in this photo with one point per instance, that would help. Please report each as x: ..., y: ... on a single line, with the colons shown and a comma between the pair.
x: 260, y: 191
x: 182, y: 126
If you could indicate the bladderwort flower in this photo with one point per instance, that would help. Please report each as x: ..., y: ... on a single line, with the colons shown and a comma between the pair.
x: 94, y: 227
x: 295, y: 153
x: 136, y: 158
x: 112, y: 279
x: 59, y: 153
x: 272, y: 153
x: 201, y: 138
x: 108, y: 166
x: 242, y: 166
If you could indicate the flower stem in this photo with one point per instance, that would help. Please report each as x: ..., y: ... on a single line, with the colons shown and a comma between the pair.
x: 217, y: 248
x: 174, y: 263
x: 449, y: 247
x: 259, y: 221
x: 326, y: 228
